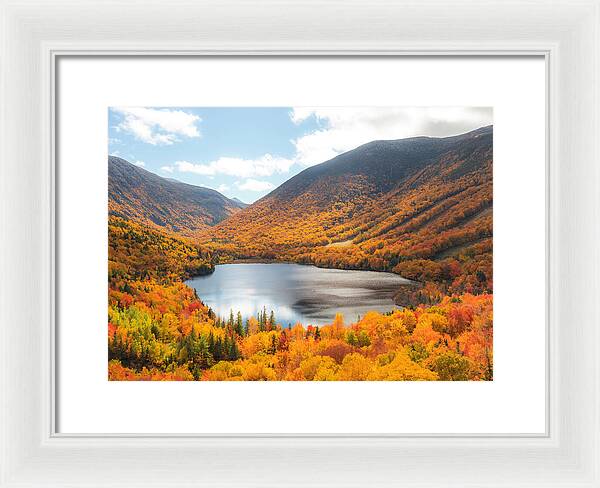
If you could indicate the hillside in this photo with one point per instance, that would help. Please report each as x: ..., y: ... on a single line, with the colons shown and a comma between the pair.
x: 158, y: 328
x: 138, y: 252
x: 142, y: 196
x: 421, y: 207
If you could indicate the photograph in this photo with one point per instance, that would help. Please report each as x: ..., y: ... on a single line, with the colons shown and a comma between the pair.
x: 300, y: 243
x: 256, y: 244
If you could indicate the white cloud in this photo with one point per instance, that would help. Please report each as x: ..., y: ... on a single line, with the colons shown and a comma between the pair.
x: 254, y: 185
x: 167, y: 169
x: 266, y: 165
x: 141, y: 164
x: 222, y: 188
x: 157, y: 126
x: 300, y: 114
x: 347, y: 128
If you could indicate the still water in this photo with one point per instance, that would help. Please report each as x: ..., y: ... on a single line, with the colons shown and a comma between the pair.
x: 296, y: 293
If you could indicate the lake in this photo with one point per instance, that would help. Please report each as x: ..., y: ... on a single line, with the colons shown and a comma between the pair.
x: 296, y: 293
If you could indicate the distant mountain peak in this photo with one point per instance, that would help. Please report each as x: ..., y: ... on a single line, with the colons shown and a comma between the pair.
x: 236, y: 199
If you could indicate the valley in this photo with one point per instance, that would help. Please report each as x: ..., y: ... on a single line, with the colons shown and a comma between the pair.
x: 418, y: 208
x: 347, y: 214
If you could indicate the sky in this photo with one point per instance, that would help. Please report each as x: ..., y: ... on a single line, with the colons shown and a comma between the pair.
x: 246, y: 152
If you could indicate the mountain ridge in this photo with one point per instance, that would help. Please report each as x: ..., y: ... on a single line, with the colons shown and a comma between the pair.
x: 383, y: 206
x: 140, y: 195
x: 403, y: 148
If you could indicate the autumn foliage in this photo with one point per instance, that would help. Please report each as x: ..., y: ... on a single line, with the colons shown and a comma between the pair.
x: 433, y: 227
x: 158, y: 329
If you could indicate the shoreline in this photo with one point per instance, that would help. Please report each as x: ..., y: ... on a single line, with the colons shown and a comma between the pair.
x: 278, y: 261
x: 258, y: 261
x: 408, y: 284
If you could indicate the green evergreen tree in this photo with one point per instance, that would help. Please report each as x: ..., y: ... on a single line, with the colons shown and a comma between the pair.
x: 262, y: 320
x: 239, y: 327
x: 211, y: 343
x: 234, y: 352
x: 218, y: 352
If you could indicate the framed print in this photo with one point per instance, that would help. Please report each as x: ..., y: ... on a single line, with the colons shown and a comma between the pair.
x: 259, y: 317
x: 407, y: 299
x: 241, y: 239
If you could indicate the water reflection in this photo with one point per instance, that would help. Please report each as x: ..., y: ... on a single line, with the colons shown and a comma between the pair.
x: 296, y: 293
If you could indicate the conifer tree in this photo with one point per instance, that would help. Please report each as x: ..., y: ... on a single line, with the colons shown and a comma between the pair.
x: 262, y: 319
x: 272, y: 319
x: 218, y: 350
x: 239, y: 328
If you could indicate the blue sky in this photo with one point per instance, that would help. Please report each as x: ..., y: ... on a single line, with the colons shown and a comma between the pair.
x: 247, y: 152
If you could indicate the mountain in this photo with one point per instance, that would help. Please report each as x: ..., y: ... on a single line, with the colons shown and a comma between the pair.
x: 383, y: 206
x: 243, y: 204
x: 375, y: 167
x: 142, y: 196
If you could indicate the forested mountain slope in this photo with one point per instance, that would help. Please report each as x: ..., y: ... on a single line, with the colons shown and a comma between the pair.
x: 142, y: 196
x: 421, y: 207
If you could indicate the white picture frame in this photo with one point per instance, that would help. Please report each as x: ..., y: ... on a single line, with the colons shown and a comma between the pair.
x: 34, y: 35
